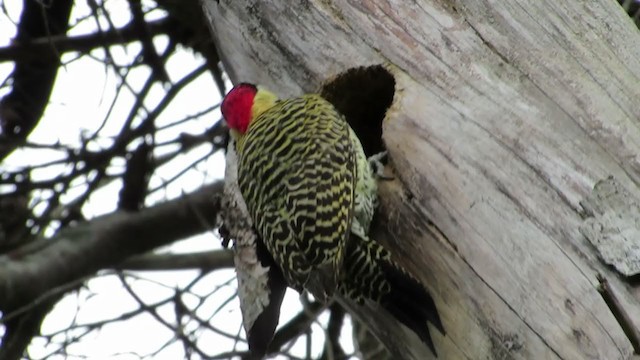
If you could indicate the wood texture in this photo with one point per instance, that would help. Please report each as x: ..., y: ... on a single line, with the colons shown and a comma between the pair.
x: 613, y: 225
x: 505, y: 116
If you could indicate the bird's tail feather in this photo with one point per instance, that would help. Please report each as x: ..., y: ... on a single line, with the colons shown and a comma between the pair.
x: 371, y: 274
x: 410, y: 303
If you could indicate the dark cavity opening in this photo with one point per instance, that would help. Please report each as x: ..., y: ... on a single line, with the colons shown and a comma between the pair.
x: 363, y: 96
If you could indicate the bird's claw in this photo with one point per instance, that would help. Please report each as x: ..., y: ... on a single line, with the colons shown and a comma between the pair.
x: 377, y: 166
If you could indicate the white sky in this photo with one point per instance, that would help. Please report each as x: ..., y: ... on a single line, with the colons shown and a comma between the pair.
x: 82, y: 95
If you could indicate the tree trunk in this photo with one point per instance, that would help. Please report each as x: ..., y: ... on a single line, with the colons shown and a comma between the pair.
x: 505, y: 116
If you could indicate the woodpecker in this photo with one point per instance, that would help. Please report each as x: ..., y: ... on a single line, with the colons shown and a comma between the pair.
x: 311, y: 194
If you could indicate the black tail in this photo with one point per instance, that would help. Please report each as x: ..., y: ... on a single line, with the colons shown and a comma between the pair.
x: 264, y: 327
x: 410, y: 303
x: 373, y: 275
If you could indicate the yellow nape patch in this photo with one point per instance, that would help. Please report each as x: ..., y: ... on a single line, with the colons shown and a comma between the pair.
x: 263, y: 100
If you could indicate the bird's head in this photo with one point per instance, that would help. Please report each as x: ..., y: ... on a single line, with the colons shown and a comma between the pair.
x: 244, y: 103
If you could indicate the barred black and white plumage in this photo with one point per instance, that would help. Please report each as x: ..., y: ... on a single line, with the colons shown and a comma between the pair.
x: 311, y: 195
x: 296, y: 171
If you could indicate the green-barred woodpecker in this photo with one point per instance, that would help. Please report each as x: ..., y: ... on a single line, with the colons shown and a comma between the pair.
x: 311, y: 195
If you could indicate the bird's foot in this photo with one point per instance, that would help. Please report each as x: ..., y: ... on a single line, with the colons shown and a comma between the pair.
x: 377, y: 165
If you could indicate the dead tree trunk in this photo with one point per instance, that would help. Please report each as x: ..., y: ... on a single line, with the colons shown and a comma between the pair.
x: 505, y: 116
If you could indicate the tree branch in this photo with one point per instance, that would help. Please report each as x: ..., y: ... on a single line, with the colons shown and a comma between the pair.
x: 102, y: 243
x: 206, y: 260
x: 21, y: 109
x: 39, y: 47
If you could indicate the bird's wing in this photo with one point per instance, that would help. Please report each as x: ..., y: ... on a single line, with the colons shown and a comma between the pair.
x: 302, y: 183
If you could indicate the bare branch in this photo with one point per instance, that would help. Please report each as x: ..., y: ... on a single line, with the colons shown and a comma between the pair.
x: 207, y: 260
x: 38, y: 47
x: 101, y: 243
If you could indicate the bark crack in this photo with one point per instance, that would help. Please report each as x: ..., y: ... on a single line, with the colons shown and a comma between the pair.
x: 619, y: 312
x: 512, y: 309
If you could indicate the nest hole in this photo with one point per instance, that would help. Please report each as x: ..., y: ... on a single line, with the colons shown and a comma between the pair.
x: 363, y: 95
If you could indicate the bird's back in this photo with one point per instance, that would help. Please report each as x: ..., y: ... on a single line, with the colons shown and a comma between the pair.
x: 297, y: 172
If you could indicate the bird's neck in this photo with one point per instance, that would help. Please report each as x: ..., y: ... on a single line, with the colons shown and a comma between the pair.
x: 262, y: 102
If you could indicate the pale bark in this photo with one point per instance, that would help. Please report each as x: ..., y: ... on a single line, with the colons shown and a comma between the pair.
x: 505, y: 116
